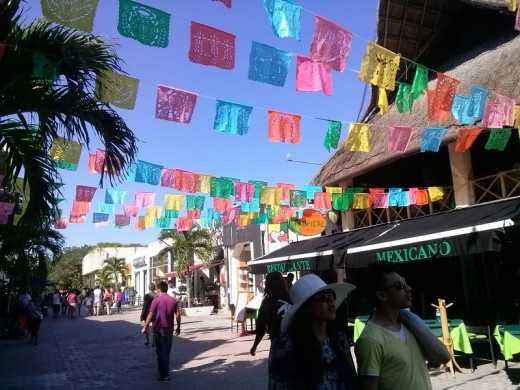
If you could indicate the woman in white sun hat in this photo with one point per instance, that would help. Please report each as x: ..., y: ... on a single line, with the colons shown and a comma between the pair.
x: 313, y: 351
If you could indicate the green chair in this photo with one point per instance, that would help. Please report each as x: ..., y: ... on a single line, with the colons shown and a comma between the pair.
x: 480, y: 335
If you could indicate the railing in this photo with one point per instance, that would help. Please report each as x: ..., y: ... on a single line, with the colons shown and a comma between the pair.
x: 500, y: 185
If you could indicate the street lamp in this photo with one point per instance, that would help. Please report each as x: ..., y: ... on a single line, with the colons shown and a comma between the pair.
x: 290, y: 159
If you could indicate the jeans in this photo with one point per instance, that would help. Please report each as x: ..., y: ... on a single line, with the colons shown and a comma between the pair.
x: 163, y: 346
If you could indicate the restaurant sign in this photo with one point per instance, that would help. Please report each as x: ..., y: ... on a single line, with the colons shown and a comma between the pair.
x: 416, y: 252
x: 310, y: 224
x: 139, y: 262
x: 294, y: 265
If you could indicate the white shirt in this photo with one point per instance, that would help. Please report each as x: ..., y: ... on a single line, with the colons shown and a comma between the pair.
x: 97, y: 296
x: 172, y: 291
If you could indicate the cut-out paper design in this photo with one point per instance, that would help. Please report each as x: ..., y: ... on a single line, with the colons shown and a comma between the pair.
x: 330, y: 44
x: 382, y: 101
x: 358, y: 138
x: 130, y: 210
x: 253, y: 206
x: 229, y: 216
x: 466, y: 137
x: 106, y: 208
x: 227, y: 3
x: 462, y: 110
x: 517, y: 20
x: 421, y: 197
x: 270, y: 196
x: 312, y: 76
x: 398, y: 138
x: 379, y: 66
x: 174, y: 104
x: 213, y: 215
x: 361, y: 201
x: 284, y: 18
x: 297, y: 198
x: 147, y: 25
x: 163, y: 223
x: 442, y: 98
x: 195, y: 202
x: 283, y: 127
x: 172, y: 214
x: 44, y: 67
x: 493, y: 116
x: 432, y: 139
x: 185, y: 181
x: 261, y: 219
x: 80, y: 207
x: 420, y: 81
x: 498, y: 139
x: 153, y: 212
x: 258, y: 187
x: 78, y: 14
x: 221, y: 188
x: 118, y: 89
x: 221, y: 204
x: 232, y: 117
x: 393, y: 196
x: 73, y: 218
x: 341, y: 200
x: 403, y: 199
x: 268, y: 64
x: 140, y: 223
x: 100, y: 217
x: 148, y: 173
x: 209, y: 46
x: 284, y: 189
x: 404, y: 98
x: 244, y: 192
x: 115, y: 196
x: 479, y: 98
x: 65, y: 165
x: 435, y: 193
x: 144, y: 199
x: 322, y: 200
x: 61, y: 223
x: 412, y: 195
x: 85, y: 193
x: 243, y: 220
x: 310, y: 190
x: 507, y: 105
x: 333, y: 135
x: 173, y: 201
x: 517, y: 116
x: 66, y: 150
x: 204, y: 184
x: 167, y: 177
x: 122, y: 220
x: 380, y: 200
x: 333, y: 190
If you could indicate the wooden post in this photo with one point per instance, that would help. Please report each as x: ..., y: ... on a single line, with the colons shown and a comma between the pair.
x: 452, y: 364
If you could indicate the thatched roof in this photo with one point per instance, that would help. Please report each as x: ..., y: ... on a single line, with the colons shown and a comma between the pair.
x: 424, y: 31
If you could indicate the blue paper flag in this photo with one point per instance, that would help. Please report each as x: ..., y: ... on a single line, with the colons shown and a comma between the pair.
x: 284, y: 17
x: 268, y: 64
x: 170, y: 213
x: 311, y: 190
x: 403, y: 199
x: 148, y: 173
x: 393, y: 196
x: 479, y: 97
x: 115, y: 196
x: 105, y: 208
x: 131, y: 172
x: 214, y: 215
x: 232, y: 118
x: 462, y: 110
x: 163, y: 223
x: 99, y: 217
x: 432, y: 138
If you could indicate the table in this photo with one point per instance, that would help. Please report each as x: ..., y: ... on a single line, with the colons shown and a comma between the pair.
x: 508, y: 338
x: 458, y: 332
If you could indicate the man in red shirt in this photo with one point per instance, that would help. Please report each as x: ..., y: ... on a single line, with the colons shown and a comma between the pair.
x: 119, y: 301
x: 164, y: 308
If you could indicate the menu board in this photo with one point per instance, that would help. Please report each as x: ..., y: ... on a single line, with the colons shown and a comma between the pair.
x: 240, y: 308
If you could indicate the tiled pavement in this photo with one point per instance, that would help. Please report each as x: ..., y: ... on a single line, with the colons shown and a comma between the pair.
x: 108, y: 352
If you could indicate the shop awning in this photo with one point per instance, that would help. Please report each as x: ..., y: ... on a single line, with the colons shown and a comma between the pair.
x: 462, y: 231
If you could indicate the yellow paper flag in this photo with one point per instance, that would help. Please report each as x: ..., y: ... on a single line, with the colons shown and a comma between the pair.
x: 382, y: 101
x: 153, y: 212
x: 333, y: 190
x: 517, y: 116
x: 271, y: 196
x: 360, y: 201
x: 358, y: 138
x: 204, y: 183
x: 63, y: 149
x: 173, y: 201
x: 435, y: 193
x: 379, y: 66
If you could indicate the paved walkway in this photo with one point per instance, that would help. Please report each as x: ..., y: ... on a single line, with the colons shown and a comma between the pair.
x: 108, y: 352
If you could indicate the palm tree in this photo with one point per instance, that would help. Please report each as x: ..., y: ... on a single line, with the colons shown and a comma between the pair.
x: 117, y: 267
x: 104, y: 278
x: 185, y: 246
x: 35, y: 109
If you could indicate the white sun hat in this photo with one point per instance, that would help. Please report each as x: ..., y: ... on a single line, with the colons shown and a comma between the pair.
x: 305, y: 288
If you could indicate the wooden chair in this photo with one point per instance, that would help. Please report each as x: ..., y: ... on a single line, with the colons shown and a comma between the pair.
x: 480, y: 335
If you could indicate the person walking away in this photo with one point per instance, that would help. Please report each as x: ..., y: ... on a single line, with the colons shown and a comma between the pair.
x: 56, y: 304
x: 23, y: 302
x: 119, y: 301
x: 394, y: 345
x: 34, y: 320
x: 88, y: 303
x: 97, y: 301
x: 72, y: 300
x: 165, y: 309
x: 108, y: 298
x: 64, y: 304
x: 312, y: 352
x: 275, y: 304
x: 147, y: 302
x: 202, y: 290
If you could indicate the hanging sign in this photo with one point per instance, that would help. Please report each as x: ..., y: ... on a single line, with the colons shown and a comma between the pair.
x: 310, y: 224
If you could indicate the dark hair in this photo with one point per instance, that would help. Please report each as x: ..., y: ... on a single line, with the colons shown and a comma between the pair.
x: 376, y: 278
x: 152, y: 287
x: 163, y: 286
x: 275, y: 286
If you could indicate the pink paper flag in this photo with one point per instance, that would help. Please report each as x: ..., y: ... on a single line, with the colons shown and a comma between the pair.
x: 167, y: 177
x: 77, y: 218
x: 330, y: 44
x: 130, y: 210
x: 517, y: 20
x: 144, y: 199
x: 209, y: 46
x: 312, y: 76
x: 507, y: 105
x: 398, y: 138
x: 122, y: 220
x: 61, y: 223
x: 80, y: 207
x: 193, y: 213
x: 493, y: 117
x: 221, y: 204
x: 380, y: 200
x: 84, y: 193
x: 285, y: 190
x: 230, y: 215
x: 6, y: 208
x: 322, y: 200
x: 4, y: 219
x: 174, y: 104
x: 412, y: 194
x: 244, y: 192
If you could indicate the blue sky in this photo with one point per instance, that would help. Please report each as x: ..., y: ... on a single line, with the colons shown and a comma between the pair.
x: 196, y: 147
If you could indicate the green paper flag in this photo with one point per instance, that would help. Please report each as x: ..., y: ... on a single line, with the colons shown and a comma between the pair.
x: 44, y: 68
x: 420, y: 81
x: 404, y: 99
x: 333, y: 135
x: 498, y: 139
x: 258, y: 187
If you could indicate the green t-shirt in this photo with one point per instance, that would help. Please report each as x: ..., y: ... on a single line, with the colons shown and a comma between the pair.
x: 399, y: 364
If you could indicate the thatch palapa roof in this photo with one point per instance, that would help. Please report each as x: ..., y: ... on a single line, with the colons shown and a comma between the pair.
x: 482, y: 50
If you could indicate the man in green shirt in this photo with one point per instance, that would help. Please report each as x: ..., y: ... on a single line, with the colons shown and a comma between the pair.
x: 394, y: 345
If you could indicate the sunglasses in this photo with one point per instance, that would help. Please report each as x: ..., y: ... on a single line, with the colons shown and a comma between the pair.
x: 399, y: 286
x: 323, y: 296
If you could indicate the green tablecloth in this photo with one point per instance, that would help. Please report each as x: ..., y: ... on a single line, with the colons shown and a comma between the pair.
x: 458, y: 333
x: 508, y: 338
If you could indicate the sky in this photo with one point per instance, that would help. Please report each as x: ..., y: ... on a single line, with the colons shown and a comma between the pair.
x: 196, y: 147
